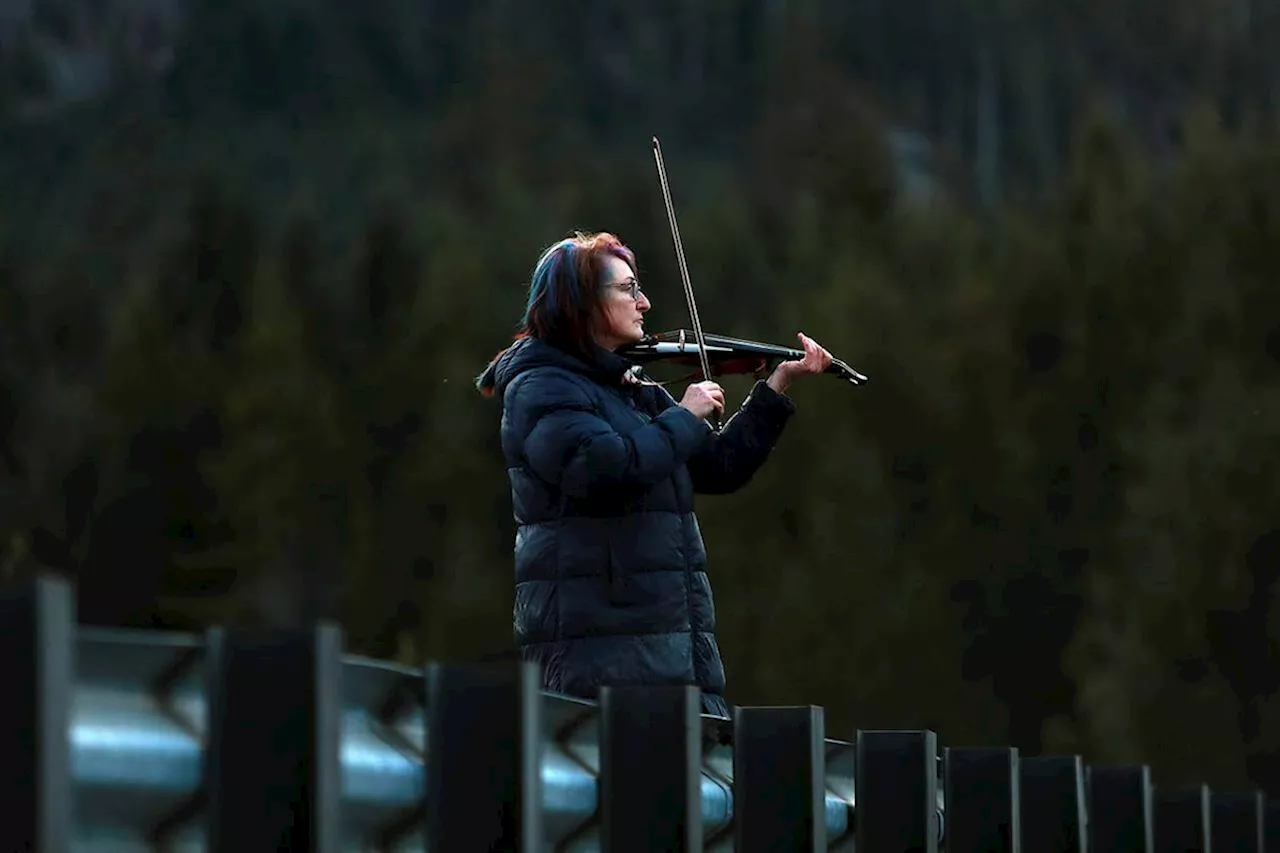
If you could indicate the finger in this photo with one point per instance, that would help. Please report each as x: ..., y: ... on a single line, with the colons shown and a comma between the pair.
x: 821, y: 357
x: 717, y: 396
x: 816, y: 358
x: 812, y: 354
x: 806, y: 345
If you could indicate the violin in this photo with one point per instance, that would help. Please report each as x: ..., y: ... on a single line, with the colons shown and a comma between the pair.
x: 714, y: 354
x: 724, y: 356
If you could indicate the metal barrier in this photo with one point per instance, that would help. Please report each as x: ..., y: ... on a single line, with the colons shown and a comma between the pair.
x: 239, y: 742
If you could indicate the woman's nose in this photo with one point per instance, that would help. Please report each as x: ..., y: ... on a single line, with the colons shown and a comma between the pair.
x: 642, y: 304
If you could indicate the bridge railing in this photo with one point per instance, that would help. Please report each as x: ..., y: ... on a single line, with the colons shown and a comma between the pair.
x: 241, y: 741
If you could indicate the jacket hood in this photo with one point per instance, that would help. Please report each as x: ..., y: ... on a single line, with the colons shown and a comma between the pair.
x: 607, y: 368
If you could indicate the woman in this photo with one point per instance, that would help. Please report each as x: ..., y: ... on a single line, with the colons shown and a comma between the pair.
x: 611, y: 582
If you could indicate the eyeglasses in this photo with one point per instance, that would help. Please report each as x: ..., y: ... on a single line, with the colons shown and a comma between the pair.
x: 631, y: 287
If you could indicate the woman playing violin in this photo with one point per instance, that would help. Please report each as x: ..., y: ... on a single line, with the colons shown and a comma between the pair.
x: 611, y: 581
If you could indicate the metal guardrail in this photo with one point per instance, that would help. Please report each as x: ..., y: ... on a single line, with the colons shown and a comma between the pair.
x: 136, y: 741
x: 140, y: 727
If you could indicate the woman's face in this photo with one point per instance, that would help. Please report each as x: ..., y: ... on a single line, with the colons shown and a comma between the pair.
x: 622, y: 307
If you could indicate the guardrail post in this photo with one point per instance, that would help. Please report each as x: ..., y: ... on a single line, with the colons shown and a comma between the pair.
x: 484, y: 758
x: 1182, y: 822
x: 779, y: 780
x: 37, y: 668
x: 1120, y: 809
x: 896, y: 791
x: 650, y: 769
x: 1237, y: 821
x: 273, y: 770
x: 1053, y: 816
x: 981, y: 796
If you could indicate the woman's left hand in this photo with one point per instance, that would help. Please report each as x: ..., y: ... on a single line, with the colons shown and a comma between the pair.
x: 816, y: 360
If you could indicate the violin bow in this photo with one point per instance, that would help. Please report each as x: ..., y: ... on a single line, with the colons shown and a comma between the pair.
x: 699, y: 338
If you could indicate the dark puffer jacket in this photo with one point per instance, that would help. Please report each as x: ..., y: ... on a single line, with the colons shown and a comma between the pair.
x: 610, y: 568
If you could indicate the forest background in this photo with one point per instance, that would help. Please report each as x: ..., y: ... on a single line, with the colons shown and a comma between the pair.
x: 252, y: 256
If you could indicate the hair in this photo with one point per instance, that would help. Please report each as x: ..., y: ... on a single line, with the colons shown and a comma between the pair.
x: 565, y: 293
x: 564, y: 290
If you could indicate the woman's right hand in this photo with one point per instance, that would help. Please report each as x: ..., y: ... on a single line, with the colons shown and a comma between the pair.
x: 703, y: 398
